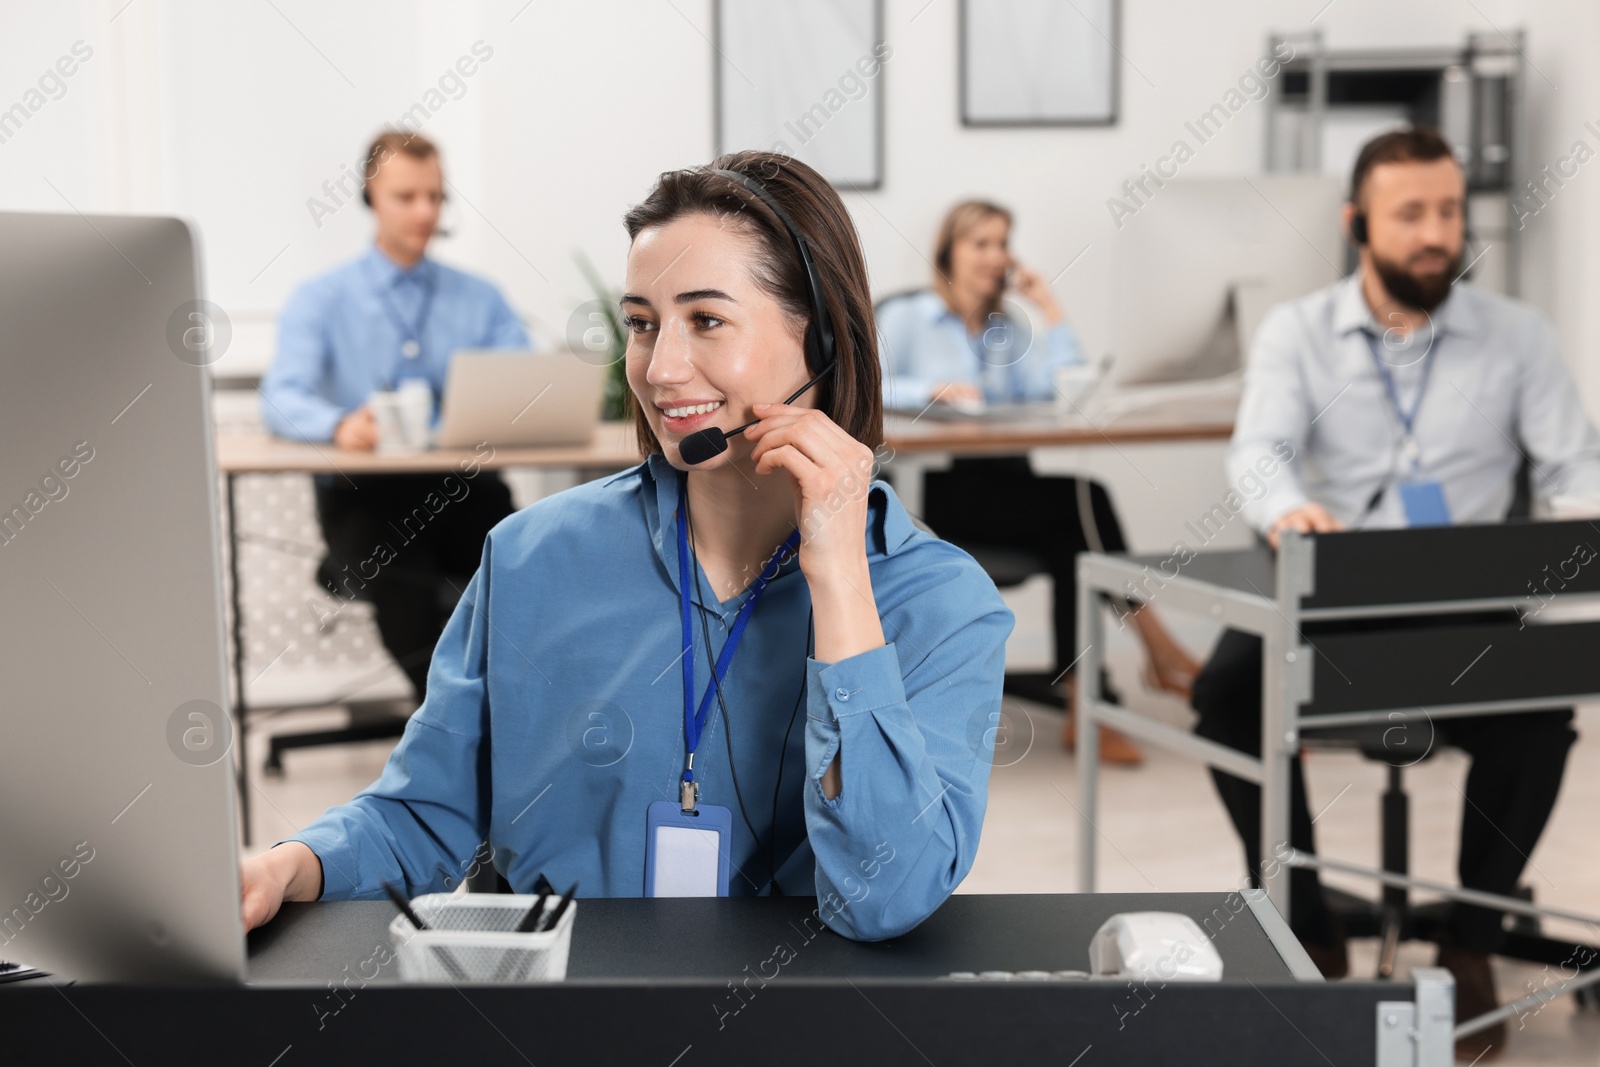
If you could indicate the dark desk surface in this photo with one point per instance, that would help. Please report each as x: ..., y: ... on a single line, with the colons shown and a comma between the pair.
x: 642, y: 939
x: 675, y: 982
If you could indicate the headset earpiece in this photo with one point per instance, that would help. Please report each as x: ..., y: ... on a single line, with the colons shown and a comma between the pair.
x: 819, y: 342
x: 366, y: 196
x: 1358, y: 227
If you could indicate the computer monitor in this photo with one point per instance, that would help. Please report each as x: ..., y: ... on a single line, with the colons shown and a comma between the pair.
x: 1199, y: 263
x: 118, y: 829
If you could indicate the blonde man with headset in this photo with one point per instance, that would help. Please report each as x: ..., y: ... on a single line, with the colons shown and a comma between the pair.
x: 391, y: 315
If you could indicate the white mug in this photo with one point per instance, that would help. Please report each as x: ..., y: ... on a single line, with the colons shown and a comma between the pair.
x: 394, y: 435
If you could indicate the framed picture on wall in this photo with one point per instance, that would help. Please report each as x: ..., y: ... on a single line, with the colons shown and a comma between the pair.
x: 1039, y: 62
x: 805, y: 80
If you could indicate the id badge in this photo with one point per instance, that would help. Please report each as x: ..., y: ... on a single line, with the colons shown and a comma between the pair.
x: 1424, y: 504
x: 686, y: 853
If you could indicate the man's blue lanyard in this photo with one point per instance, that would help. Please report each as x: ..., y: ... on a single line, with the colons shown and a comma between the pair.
x: 410, y: 333
x: 1408, y: 419
x: 695, y: 721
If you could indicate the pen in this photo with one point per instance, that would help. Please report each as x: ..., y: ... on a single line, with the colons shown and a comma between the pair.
x: 404, y: 905
x: 530, y: 920
x: 443, y: 954
x: 561, y: 909
x: 555, y: 917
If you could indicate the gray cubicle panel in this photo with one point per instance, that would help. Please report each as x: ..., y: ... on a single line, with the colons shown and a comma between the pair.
x: 1446, y: 565
x: 1446, y: 615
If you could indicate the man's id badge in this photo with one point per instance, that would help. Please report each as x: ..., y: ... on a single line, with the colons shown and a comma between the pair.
x: 1424, y: 503
x: 686, y: 852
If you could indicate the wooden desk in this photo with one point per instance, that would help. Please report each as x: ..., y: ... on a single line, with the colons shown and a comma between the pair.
x: 613, y: 445
x: 259, y: 453
x: 911, y: 436
x: 917, y: 445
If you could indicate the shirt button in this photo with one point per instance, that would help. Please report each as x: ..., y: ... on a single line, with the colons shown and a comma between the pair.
x: 842, y: 693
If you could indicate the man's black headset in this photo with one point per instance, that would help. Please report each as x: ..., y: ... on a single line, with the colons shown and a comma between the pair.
x: 1358, y: 226
x: 821, y: 354
x: 368, y: 172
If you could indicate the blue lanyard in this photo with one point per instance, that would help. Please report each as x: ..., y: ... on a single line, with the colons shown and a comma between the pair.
x: 695, y: 721
x: 410, y: 333
x: 1407, y: 418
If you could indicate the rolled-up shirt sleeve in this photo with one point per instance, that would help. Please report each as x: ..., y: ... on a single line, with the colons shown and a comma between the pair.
x: 1274, y: 418
x: 428, y: 811
x: 913, y: 723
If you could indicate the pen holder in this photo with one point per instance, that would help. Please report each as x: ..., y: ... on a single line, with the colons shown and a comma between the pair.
x: 473, y: 938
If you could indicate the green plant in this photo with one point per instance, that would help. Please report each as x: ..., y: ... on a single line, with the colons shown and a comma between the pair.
x: 617, y: 403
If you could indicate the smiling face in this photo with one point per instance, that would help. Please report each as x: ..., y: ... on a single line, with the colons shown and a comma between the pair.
x: 705, y: 341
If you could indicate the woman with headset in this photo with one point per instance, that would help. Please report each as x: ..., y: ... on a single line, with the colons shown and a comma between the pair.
x: 840, y: 669
x: 956, y: 344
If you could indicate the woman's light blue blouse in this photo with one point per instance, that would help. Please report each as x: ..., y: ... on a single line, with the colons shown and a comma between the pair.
x: 554, y: 718
x: 922, y: 342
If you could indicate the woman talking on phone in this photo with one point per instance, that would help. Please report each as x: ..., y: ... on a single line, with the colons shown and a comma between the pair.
x: 956, y: 344
x: 744, y: 635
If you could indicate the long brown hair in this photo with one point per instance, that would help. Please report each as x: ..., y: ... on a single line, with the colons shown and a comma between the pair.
x: 852, y: 395
x: 958, y: 222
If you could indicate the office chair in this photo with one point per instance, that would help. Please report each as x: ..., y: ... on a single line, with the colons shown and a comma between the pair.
x: 1392, y: 918
x: 368, y: 720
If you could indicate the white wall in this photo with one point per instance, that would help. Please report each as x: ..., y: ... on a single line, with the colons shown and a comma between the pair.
x: 235, y: 113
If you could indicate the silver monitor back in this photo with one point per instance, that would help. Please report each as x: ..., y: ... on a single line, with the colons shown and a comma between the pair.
x: 118, y: 831
x: 1198, y: 265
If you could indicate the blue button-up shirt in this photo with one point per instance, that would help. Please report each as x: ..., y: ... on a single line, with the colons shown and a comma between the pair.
x: 921, y: 342
x: 554, y: 718
x: 1498, y: 389
x: 340, y: 338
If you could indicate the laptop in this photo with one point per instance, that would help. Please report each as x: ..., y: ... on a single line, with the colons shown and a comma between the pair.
x: 512, y: 399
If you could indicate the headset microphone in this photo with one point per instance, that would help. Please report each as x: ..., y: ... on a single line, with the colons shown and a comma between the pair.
x: 710, y: 442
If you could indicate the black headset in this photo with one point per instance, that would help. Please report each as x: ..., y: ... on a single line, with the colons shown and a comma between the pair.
x: 820, y: 351
x: 1358, y: 227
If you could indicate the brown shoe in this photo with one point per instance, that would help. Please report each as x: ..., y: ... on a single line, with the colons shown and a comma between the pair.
x: 1115, y: 747
x: 1475, y: 995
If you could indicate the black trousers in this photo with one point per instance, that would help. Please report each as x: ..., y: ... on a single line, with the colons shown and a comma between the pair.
x: 1001, y: 502
x: 395, y: 539
x: 1517, y: 763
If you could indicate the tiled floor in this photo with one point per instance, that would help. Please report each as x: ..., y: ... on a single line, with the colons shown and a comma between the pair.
x: 1162, y: 828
